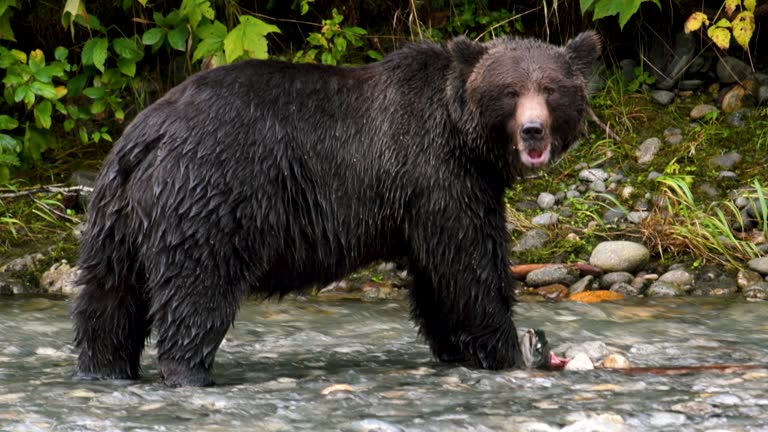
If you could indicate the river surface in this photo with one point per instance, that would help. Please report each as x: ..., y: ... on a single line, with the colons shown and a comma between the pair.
x: 316, y: 365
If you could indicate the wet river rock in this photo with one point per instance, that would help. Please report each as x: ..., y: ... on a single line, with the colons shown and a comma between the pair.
x: 619, y: 256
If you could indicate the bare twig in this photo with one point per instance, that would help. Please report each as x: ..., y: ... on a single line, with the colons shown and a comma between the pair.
x: 611, y: 134
x: 47, y: 189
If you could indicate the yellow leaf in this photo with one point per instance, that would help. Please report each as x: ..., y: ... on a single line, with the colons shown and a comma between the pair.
x: 743, y: 27
x: 720, y: 36
x: 36, y: 55
x: 750, y: 5
x: 695, y: 21
x: 19, y: 55
x: 730, y: 6
x: 723, y: 23
x: 60, y: 92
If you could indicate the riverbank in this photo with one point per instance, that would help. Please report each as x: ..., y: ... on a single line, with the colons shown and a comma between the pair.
x: 682, y: 177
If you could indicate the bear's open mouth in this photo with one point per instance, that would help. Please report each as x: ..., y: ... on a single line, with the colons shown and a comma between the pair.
x: 534, y: 158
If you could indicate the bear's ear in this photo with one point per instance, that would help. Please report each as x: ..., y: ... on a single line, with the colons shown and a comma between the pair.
x: 583, y: 52
x: 465, y: 53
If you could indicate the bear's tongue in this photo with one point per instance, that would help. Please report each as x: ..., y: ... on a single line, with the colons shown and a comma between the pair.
x: 535, y: 154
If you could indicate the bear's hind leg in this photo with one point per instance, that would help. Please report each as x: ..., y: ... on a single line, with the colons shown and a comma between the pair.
x: 192, y: 313
x: 111, y: 326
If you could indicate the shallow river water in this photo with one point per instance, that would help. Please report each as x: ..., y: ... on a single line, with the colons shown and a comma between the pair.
x: 315, y: 365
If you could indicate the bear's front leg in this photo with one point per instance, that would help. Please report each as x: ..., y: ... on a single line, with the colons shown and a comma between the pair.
x: 461, y: 297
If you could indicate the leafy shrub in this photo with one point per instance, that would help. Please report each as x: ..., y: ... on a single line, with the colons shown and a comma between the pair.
x: 605, y: 8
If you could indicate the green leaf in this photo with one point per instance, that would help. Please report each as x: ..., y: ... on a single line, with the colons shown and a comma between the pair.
x: 153, y: 36
x: 214, y: 30
x: 60, y: 107
x: 42, y: 113
x: 6, y: 31
x: 175, y: 19
x: 625, y: 9
x: 127, y: 66
x: 98, y: 106
x: 95, y: 92
x: 73, y: 7
x: 113, y: 77
x: 8, y: 143
x: 61, y: 53
x: 13, y: 80
x: 248, y: 38
x: 339, y: 46
x: 375, y: 55
x: 46, y: 90
x: 723, y: 23
x: 95, y: 52
x: 20, y: 93
x: 356, y: 31
x: 585, y: 5
x: 127, y: 49
x: 36, y: 60
x: 83, y: 135
x: 207, y: 47
x: 29, y: 98
x: 327, y: 58
x: 47, y: 73
x: 8, y: 122
x: 5, y: 4
x: 177, y: 38
x: 317, y: 39
x: 76, y: 84
x: 195, y: 10
x: 36, y: 140
x: 89, y: 21
x: 69, y: 124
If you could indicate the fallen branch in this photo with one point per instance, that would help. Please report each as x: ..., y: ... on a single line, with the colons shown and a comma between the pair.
x: 47, y: 189
x: 612, y: 135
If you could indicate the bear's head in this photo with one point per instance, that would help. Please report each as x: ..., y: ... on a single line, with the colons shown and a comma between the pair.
x: 521, y: 100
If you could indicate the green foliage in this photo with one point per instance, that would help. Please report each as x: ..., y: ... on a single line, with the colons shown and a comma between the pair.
x: 625, y: 9
x: 470, y: 20
x: 703, y: 231
x: 6, y: 32
x: 82, y: 94
x: 333, y: 42
x: 248, y: 40
x: 32, y: 87
x: 642, y: 77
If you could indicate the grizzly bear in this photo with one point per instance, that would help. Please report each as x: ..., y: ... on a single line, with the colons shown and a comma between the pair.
x: 263, y: 177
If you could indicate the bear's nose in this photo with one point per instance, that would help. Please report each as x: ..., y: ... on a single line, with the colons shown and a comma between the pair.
x: 532, y: 130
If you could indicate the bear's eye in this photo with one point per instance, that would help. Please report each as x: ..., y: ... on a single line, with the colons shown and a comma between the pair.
x: 511, y: 94
x: 549, y: 91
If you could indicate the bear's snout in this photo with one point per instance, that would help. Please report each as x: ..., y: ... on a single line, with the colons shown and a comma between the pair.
x: 530, y: 130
